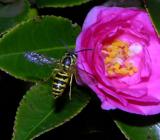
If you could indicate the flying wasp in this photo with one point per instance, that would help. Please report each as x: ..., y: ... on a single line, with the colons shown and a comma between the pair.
x: 63, y: 74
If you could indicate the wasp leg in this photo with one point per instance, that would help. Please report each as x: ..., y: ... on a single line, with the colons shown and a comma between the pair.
x: 70, y: 86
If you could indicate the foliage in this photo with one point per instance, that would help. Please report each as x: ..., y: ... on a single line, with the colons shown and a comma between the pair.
x: 24, y: 30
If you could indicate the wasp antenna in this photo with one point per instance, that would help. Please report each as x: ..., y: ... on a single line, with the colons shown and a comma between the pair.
x: 89, y: 49
x: 66, y: 46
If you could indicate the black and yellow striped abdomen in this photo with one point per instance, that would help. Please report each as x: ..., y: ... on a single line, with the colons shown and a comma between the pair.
x: 60, y: 82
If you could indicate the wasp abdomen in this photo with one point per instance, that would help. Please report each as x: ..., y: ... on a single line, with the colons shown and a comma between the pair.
x: 60, y: 82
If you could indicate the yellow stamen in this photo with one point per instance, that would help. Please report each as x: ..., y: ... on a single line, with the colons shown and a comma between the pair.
x: 108, y: 60
x: 119, y: 43
x: 122, y: 71
x: 118, y: 50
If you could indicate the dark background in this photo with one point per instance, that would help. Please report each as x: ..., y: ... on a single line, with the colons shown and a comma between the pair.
x: 92, y: 122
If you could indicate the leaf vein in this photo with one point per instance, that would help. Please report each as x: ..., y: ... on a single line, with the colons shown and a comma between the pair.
x: 39, y: 50
x: 38, y: 124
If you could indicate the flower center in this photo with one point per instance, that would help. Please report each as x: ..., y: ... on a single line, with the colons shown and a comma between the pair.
x: 117, y: 56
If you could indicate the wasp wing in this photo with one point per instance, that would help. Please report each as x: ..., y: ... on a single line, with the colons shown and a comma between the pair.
x: 40, y: 59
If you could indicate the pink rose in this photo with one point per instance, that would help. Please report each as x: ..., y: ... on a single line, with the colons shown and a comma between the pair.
x: 123, y: 67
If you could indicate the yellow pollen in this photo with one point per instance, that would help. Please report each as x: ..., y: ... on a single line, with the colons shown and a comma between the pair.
x: 108, y: 60
x: 122, y: 71
x: 119, y: 43
x: 116, y: 59
x: 116, y: 66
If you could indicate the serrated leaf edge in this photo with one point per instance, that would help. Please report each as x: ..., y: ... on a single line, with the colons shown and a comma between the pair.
x: 25, y: 18
x: 63, y: 6
x: 32, y: 19
x: 11, y: 30
x: 145, y: 5
x: 68, y: 119
x: 17, y: 112
x: 122, y: 131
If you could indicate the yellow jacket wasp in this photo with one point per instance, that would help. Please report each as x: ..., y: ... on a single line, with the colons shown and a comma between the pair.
x: 63, y: 74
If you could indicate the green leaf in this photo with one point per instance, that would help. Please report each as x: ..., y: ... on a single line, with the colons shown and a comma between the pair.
x: 45, y: 35
x: 59, y: 3
x: 13, y: 13
x: 39, y: 112
x: 153, y: 8
x: 140, y: 131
